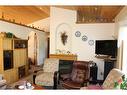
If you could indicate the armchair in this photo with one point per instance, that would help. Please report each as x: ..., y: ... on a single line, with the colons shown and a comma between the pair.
x: 49, y: 76
x: 114, y: 75
x: 78, y: 77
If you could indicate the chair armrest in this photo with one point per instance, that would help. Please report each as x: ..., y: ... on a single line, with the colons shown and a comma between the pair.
x: 56, y: 79
x: 36, y: 72
x: 65, y: 77
x: 56, y: 74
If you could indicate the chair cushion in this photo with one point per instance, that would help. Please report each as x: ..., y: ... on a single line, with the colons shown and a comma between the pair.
x: 45, y: 79
x: 80, y: 71
x: 65, y: 76
x: 51, y: 65
x: 78, y: 75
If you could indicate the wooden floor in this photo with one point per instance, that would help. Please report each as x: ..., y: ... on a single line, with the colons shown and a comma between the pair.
x: 28, y: 78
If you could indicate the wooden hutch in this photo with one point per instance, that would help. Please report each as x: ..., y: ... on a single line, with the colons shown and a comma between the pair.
x: 13, y: 58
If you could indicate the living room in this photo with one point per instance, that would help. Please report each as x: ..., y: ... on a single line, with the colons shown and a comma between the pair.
x: 80, y: 31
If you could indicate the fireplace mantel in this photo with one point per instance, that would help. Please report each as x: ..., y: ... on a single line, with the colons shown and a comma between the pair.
x: 64, y: 56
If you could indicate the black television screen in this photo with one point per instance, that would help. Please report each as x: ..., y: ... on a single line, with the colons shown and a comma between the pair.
x: 106, y: 47
x: 8, y: 59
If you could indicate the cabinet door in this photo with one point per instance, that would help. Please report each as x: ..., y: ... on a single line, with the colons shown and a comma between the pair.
x: 7, y: 76
x: 1, y: 61
x: 10, y: 75
x: 7, y: 44
x: 20, y: 57
x: 13, y: 76
x: 1, y: 44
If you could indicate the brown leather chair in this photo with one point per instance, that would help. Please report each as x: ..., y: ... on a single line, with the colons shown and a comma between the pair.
x: 78, y: 77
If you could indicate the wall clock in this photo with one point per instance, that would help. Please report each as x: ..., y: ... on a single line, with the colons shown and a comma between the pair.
x: 91, y: 42
x: 77, y: 33
x: 84, y: 38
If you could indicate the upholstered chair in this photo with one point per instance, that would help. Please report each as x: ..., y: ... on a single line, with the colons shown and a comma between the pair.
x: 78, y: 77
x: 48, y: 77
x: 114, y: 75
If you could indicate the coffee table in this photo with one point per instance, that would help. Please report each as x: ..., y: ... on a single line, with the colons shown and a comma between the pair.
x: 36, y: 87
x: 22, y: 82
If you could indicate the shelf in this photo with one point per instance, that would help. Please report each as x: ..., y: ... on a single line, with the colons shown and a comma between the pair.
x: 20, y: 44
x: 105, y: 57
x: 7, y: 49
x: 64, y: 56
x: 19, y: 48
x: 102, y: 56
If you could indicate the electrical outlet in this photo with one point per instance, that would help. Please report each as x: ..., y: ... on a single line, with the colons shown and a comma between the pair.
x: 101, y: 73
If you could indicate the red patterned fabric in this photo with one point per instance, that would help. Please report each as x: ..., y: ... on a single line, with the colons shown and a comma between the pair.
x: 80, y: 71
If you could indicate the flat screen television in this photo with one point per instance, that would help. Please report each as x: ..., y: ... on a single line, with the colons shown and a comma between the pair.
x: 106, y: 47
x: 8, y: 59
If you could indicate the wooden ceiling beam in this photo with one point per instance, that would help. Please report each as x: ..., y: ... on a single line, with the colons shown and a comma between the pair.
x: 45, y: 9
x: 30, y: 14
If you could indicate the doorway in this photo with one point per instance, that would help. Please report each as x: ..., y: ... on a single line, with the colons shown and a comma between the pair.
x: 32, y: 48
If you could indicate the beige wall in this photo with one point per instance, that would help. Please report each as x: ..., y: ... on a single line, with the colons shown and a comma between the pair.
x: 120, y: 23
x: 23, y: 33
x: 82, y: 49
x: 43, y: 24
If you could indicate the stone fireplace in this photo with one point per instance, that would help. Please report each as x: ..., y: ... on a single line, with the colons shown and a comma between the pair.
x: 65, y: 62
x: 65, y: 66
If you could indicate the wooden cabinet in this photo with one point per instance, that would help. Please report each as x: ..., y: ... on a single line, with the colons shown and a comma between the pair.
x: 7, y: 44
x: 20, y: 44
x: 20, y: 54
x: 19, y: 57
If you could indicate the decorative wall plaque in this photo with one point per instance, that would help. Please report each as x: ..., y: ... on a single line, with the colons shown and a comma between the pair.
x: 84, y: 38
x: 77, y: 33
x: 91, y: 42
x: 63, y: 37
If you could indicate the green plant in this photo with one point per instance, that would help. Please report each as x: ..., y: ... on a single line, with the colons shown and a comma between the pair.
x: 121, y: 83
